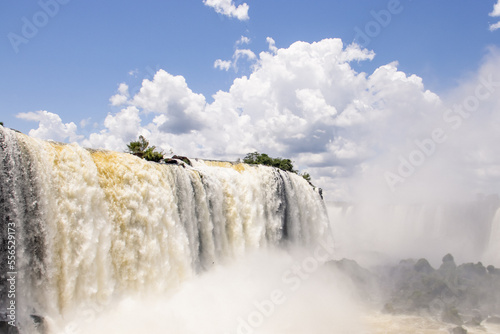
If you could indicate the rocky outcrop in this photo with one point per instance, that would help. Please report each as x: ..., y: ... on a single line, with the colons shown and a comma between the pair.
x: 365, y: 281
x: 465, y: 294
x: 183, y: 159
x: 38, y: 324
x: 458, y: 330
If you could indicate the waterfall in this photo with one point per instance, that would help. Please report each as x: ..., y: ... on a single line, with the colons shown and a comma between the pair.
x: 493, y: 252
x: 91, y: 225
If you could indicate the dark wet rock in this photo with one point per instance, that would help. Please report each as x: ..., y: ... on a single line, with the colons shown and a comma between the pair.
x: 492, y: 270
x: 448, y: 258
x: 365, y: 281
x: 5, y: 328
x: 415, y: 287
x: 469, y: 292
x: 183, y: 159
x: 39, y: 323
x: 465, y: 294
x: 423, y: 266
x: 471, y: 270
x: 177, y: 160
x: 171, y: 161
x: 353, y: 270
x: 448, y: 263
x: 397, y: 277
x: 458, y: 330
x: 427, y: 290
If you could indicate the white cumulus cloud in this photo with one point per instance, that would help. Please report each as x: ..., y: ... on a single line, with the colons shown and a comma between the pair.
x: 241, y: 53
x: 306, y: 102
x: 494, y: 26
x: 228, y: 8
x: 495, y: 13
x: 222, y: 64
x: 243, y: 40
x: 496, y: 9
x: 238, y: 55
x: 170, y: 95
x: 272, y: 44
x: 120, y: 129
x: 50, y: 126
x: 122, y: 97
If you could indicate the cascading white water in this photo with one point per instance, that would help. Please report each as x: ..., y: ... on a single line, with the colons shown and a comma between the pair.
x: 91, y: 225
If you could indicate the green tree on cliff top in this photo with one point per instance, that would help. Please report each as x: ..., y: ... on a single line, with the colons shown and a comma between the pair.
x: 142, y: 149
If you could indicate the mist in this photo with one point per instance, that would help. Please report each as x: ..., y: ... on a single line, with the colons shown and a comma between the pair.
x: 374, y: 234
x: 264, y: 292
x: 432, y: 187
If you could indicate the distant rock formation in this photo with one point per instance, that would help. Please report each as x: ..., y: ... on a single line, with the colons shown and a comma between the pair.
x: 460, y: 295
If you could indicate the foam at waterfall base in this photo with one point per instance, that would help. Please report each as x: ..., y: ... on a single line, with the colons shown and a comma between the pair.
x: 260, y: 293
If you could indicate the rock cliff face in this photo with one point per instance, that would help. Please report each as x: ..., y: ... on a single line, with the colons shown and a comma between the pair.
x: 467, y: 294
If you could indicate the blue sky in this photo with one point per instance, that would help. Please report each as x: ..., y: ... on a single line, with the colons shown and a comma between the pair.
x: 73, y: 64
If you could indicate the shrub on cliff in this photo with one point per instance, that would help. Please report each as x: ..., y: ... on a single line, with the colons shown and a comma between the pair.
x: 142, y: 149
x: 256, y: 158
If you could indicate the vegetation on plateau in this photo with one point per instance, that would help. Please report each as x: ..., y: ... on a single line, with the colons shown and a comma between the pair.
x: 256, y: 158
x: 142, y: 149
